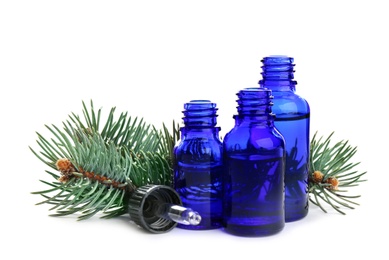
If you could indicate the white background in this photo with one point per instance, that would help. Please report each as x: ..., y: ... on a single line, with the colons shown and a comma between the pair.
x: 149, y: 58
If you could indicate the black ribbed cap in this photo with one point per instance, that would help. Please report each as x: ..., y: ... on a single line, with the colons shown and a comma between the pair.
x: 141, y: 211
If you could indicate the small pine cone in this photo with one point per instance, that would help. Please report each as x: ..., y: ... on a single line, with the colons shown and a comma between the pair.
x: 334, y: 183
x: 317, y: 176
x: 64, y: 179
x: 65, y: 166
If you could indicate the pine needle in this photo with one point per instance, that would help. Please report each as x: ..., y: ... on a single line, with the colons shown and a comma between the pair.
x: 331, y: 171
x: 108, y: 164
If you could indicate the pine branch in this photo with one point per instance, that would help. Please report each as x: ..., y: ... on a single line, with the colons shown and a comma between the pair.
x: 331, y: 172
x: 97, y: 170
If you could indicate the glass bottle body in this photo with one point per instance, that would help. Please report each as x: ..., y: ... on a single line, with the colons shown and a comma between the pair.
x: 253, y: 181
x: 293, y: 121
x: 198, y: 172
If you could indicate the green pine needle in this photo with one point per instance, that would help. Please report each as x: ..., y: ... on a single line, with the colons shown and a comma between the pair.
x: 125, y: 154
x: 331, y: 172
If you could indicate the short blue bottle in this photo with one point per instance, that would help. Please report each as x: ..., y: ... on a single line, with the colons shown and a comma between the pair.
x: 292, y: 120
x: 198, y: 164
x: 254, y: 164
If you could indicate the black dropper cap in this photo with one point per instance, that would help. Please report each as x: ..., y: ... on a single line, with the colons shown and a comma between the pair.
x: 142, y: 211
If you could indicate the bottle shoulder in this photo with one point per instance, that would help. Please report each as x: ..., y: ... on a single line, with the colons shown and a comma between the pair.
x: 253, y: 139
x: 198, y: 146
x: 289, y: 103
x: 190, y: 140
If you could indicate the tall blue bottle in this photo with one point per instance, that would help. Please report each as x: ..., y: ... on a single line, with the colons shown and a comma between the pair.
x: 254, y: 164
x: 198, y: 164
x: 292, y: 120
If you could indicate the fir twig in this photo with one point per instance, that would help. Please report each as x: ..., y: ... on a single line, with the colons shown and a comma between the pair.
x: 331, y: 171
x: 97, y: 170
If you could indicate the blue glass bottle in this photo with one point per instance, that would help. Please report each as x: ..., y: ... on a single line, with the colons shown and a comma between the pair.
x: 198, y: 164
x: 292, y: 120
x: 254, y: 164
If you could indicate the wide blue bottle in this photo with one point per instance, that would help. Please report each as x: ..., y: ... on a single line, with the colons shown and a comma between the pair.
x: 292, y: 120
x: 254, y: 164
x: 198, y: 164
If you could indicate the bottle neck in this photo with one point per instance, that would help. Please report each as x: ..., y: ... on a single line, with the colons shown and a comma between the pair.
x: 208, y: 133
x: 254, y: 107
x: 200, y: 120
x: 249, y: 121
x: 278, y: 73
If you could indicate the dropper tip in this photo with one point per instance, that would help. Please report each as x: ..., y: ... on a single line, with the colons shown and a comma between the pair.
x: 194, y: 218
